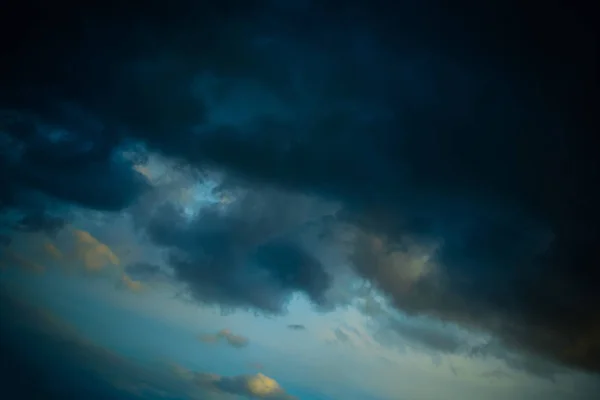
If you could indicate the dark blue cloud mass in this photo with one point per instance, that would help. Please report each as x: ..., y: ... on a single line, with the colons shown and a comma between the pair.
x: 242, y: 256
x: 463, y: 127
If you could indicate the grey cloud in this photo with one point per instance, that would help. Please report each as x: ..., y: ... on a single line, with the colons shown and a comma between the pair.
x: 244, y: 255
x: 347, y: 334
x: 436, y: 338
x: 417, y: 280
x: 527, y: 362
x: 296, y: 327
x: 237, y: 341
x: 341, y: 335
x: 40, y: 222
x: 495, y: 374
x: 454, y: 370
x: 147, y: 272
x: 442, y: 339
x: 408, y: 271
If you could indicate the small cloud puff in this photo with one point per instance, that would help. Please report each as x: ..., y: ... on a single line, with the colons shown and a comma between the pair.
x: 296, y: 327
x: 233, y: 340
x: 257, y: 386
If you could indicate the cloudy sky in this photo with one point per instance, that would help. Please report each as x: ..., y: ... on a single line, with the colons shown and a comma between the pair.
x: 298, y: 200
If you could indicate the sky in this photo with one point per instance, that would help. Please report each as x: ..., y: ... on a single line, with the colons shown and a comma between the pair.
x: 298, y: 200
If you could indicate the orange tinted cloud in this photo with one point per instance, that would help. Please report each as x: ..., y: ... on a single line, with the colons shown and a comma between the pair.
x: 51, y: 250
x: 133, y: 285
x: 256, y: 386
x: 94, y: 254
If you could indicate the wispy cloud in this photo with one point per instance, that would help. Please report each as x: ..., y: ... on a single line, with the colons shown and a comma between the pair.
x: 495, y: 374
x: 130, y: 284
x: 51, y: 250
x: 94, y: 254
x: 10, y: 258
x: 237, y: 341
x: 297, y: 327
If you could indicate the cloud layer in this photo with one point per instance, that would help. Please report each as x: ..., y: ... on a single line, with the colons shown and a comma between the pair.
x: 465, y: 177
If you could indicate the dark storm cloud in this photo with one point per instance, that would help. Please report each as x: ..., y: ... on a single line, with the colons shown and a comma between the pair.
x: 438, y: 339
x: 442, y: 127
x: 48, y: 162
x: 40, y: 222
x: 244, y: 255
